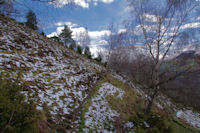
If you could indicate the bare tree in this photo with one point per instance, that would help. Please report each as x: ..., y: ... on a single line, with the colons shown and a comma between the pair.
x: 114, y: 39
x: 83, y: 38
x: 120, y: 58
x: 160, y: 24
x: 7, y: 7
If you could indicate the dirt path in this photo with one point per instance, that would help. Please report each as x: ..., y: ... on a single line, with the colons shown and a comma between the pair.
x: 77, y: 111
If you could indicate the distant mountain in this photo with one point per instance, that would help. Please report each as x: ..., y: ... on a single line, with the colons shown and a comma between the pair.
x: 186, y: 55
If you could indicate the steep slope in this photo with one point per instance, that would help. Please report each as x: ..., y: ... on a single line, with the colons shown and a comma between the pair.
x: 54, y: 77
x: 72, y: 93
x: 117, y: 106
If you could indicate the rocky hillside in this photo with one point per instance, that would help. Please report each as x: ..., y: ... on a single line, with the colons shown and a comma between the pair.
x: 72, y: 93
x: 53, y: 76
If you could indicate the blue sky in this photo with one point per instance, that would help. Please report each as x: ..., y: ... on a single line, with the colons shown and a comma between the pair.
x: 95, y: 15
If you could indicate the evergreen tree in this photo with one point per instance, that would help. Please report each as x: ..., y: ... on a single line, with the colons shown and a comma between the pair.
x: 66, y: 35
x: 87, y: 52
x: 55, y: 38
x: 31, y: 20
x: 17, y: 116
x: 99, y: 58
x: 42, y: 33
x: 72, y: 46
x: 79, y: 49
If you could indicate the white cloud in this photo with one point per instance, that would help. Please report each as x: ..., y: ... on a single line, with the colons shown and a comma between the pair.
x: 122, y: 30
x: 98, y: 34
x: 191, y: 25
x: 97, y: 40
x: 106, y: 1
x: 77, y: 31
x: 95, y: 3
x: 70, y: 24
x: 82, y: 3
x: 95, y: 49
x: 103, y: 42
x: 150, y: 18
x: 57, y: 32
x: 60, y: 27
x: 61, y: 3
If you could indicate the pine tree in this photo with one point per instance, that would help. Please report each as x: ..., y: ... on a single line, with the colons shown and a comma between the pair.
x: 66, y: 35
x: 31, y: 20
x: 87, y: 52
x: 42, y: 33
x: 79, y: 49
x: 99, y: 58
x: 17, y: 116
x: 72, y: 46
x: 55, y: 38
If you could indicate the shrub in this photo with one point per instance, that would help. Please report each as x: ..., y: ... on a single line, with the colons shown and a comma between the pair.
x: 98, y: 59
x: 72, y: 46
x: 152, y: 123
x: 21, y: 23
x: 17, y: 116
x: 79, y: 49
x: 42, y: 33
x: 87, y: 52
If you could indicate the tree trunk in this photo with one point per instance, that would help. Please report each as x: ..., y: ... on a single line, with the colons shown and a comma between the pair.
x: 155, y: 89
x: 150, y: 102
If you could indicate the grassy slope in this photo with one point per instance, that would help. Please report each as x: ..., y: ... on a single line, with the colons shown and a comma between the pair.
x: 132, y: 104
x: 126, y: 107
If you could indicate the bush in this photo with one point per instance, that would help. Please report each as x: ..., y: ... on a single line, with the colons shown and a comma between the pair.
x: 87, y: 52
x: 98, y: 59
x: 21, y: 23
x: 42, y: 33
x: 17, y: 116
x: 79, y: 49
x: 152, y: 123
x: 72, y: 46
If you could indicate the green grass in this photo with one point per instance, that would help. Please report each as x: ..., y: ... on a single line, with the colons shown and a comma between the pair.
x: 87, y: 105
x: 180, y: 127
x: 131, y: 104
x: 16, y: 114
